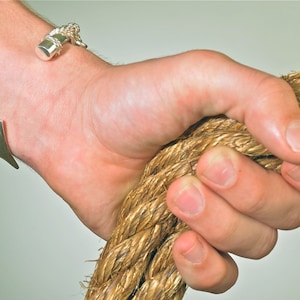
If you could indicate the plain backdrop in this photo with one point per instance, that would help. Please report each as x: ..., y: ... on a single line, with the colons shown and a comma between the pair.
x: 45, y: 252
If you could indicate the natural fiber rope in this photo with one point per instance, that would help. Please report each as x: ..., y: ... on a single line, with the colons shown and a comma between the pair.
x: 137, y: 262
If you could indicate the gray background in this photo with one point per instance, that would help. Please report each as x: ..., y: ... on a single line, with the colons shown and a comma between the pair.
x: 45, y: 250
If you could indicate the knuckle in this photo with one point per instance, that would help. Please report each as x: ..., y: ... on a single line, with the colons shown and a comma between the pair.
x: 221, y: 278
x: 212, y: 281
x: 291, y: 220
x: 271, y: 85
x: 271, y: 88
x: 253, y: 203
x: 222, y: 232
x: 193, y: 57
x: 265, y: 244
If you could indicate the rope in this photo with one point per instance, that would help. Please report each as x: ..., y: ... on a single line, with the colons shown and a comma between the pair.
x: 137, y: 263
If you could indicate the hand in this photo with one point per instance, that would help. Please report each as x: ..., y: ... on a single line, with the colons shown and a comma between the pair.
x: 89, y: 128
x: 94, y: 133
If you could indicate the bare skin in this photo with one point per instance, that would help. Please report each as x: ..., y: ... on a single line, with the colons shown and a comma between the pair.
x: 89, y: 128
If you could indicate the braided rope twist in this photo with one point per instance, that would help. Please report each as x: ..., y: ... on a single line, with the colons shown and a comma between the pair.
x: 137, y: 262
x: 70, y: 32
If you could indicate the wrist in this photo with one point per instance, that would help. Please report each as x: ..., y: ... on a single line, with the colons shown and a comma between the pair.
x: 39, y: 98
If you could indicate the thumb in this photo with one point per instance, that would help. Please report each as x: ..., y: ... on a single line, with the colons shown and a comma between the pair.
x: 266, y: 104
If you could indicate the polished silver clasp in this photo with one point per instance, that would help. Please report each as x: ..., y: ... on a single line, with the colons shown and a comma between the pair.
x: 52, y: 44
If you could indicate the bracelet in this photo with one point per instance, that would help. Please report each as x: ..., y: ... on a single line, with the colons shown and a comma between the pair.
x: 50, y: 46
x: 53, y: 42
x: 4, y: 151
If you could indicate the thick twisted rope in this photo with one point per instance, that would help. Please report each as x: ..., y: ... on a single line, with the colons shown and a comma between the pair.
x: 137, y: 262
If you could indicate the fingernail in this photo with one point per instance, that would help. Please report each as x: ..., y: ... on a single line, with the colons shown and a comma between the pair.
x: 294, y: 173
x: 196, y: 254
x: 189, y: 200
x: 220, y: 169
x: 293, y: 135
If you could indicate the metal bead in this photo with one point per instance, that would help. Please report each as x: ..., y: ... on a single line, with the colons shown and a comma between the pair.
x: 52, y: 44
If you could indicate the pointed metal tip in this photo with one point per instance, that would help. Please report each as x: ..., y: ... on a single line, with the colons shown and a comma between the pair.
x: 4, y: 151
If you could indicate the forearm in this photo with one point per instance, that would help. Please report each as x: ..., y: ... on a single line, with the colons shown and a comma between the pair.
x: 35, y: 94
x: 20, y: 28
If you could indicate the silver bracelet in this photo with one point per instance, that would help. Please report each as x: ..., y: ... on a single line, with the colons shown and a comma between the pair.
x: 50, y: 46
x: 53, y: 42
x: 4, y: 150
